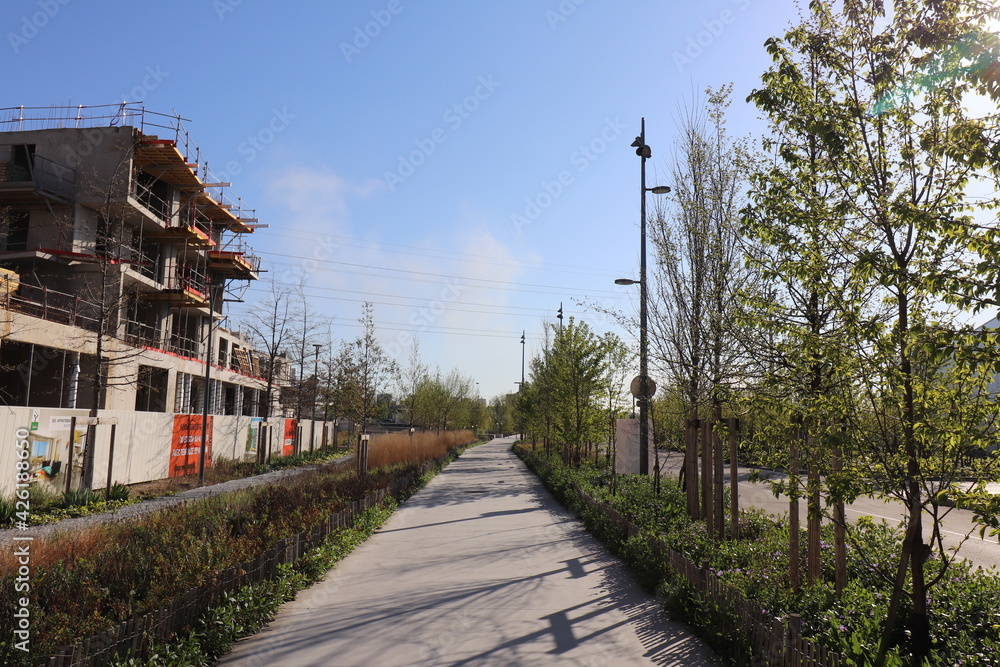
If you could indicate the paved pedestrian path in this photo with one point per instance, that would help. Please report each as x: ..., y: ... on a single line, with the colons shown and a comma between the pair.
x: 481, y: 567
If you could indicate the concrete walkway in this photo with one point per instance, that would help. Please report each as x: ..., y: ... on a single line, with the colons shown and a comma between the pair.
x: 481, y: 567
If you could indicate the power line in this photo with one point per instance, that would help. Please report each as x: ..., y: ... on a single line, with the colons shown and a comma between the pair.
x: 459, y: 256
x: 509, y: 284
x: 451, y: 306
x: 430, y: 329
x: 532, y: 310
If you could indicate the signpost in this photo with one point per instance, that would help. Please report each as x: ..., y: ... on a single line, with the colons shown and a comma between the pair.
x: 636, y: 388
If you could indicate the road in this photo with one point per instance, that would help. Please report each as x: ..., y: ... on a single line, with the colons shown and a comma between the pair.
x: 956, y: 525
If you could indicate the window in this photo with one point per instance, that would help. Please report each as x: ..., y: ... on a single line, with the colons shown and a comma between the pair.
x: 14, y: 226
x: 223, y: 353
x: 151, y: 392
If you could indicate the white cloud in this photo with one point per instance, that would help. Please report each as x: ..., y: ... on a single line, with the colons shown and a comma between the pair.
x: 317, y: 193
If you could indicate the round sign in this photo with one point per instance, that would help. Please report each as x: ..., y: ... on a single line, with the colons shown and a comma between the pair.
x: 636, y: 387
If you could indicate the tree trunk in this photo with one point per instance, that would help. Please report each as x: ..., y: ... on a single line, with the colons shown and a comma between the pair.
x: 691, y: 463
x: 840, y: 530
x: 814, y: 566
x: 794, y: 578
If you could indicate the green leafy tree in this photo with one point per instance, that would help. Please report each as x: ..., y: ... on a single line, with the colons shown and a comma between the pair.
x: 800, y: 244
x: 502, y: 413
x: 575, y: 368
x: 883, y: 96
x: 616, y: 371
x: 410, y: 378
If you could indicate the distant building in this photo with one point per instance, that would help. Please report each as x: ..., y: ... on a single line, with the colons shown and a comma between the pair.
x: 110, y: 222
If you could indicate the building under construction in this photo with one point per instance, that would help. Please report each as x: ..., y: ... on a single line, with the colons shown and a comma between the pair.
x: 117, y: 253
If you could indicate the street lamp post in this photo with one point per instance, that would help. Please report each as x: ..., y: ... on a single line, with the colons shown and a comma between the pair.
x: 312, y: 434
x: 521, y: 387
x: 211, y: 286
x: 644, y: 152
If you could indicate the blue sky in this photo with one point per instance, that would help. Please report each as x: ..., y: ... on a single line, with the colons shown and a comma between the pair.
x: 463, y: 165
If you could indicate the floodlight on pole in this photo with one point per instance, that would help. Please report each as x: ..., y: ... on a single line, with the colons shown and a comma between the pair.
x: 644, y: 152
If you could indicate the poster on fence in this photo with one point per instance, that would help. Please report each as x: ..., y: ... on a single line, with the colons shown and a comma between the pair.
x: 253, y: 435
x: 50, y: 441
x: 627, y: 446
x: 185, y: 445
x: 288, y: 444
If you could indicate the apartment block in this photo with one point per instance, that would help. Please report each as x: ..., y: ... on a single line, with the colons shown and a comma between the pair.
x: 118, y: 252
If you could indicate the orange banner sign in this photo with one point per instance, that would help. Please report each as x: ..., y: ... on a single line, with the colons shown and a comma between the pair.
x: 185, y: 445
x: 288, y: 446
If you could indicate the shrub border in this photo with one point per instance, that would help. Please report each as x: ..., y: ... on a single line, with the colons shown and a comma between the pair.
x: 136, y: 637
x: 721, y: 613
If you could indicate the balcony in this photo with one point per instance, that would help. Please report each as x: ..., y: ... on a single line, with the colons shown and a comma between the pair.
x: 187, y: 289
x: 27, y: 179
x: 192, y: 235
x: 234, y: 260
x: 161, y: 158
x: 142, y: 334
x: 50, y: 305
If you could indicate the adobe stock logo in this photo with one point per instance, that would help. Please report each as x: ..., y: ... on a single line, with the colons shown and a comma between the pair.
x: 454, y: 116
x: 154, y: 77
x: 562, y: 13
x: 714, y: 28
x: 581, y: 158
x: 30, y: 25
x: 363, y: 35
x: 255, y: 143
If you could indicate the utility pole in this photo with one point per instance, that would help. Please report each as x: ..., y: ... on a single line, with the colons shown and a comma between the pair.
x: 312, y: 435
x: 522, y: 360
x: 208, y: 384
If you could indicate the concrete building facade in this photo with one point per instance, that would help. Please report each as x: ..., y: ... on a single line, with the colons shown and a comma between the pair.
x: 117, y: 251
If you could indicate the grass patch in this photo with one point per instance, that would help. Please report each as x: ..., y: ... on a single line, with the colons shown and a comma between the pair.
x: 390, y: 448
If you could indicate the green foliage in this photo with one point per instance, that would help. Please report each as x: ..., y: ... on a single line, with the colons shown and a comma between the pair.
x: 574, y: 388
x: 117, y: 492
x: 80, y: 587
x: 79, y: 498
x: 964, y: 609
x: 8, y: 511
x: 43, y: 497
x: 446, y: 401
x: 246, y: 611
x: 864, y: 225
x: 364, y: 371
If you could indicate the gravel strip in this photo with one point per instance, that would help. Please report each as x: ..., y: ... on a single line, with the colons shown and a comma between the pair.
x: 156, y: 504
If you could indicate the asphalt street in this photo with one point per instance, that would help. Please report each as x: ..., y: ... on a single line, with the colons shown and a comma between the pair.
x: 958, y: 526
